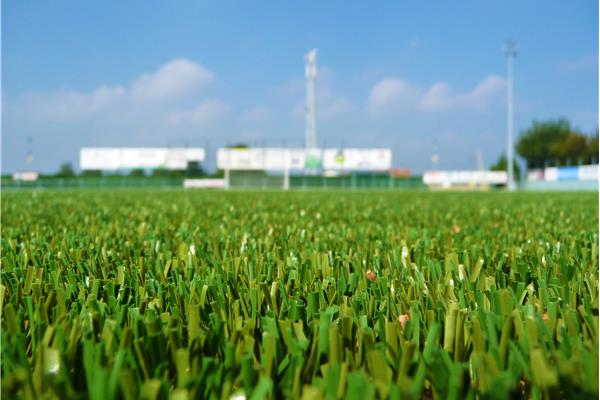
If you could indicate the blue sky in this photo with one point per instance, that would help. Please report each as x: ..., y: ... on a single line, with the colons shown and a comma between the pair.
x: 413, y: 77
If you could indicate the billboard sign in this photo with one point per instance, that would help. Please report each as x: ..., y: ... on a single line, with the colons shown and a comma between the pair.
x: 357, y: 159
x: 462, y: 178
x: 313, y: 160
x: 302, y: 159
x: 106, y: 159
x: 260, y: 159
x: 588, y: 173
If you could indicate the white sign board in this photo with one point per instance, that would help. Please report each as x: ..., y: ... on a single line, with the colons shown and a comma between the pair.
x: 535, y: 175
x: 462, y: 178
x: 28, y: 176
x: 588, y: 172
x: 204, y: 183
x: 260, y: 159
x: 328, y: 159
x: 357, y: 159
x: 551, y: 174
x: 127, y: 158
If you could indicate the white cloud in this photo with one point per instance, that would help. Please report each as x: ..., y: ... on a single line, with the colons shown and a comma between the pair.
x: 65, y: 105
x: 394, y: 94
x: 335, y: 107
x: 390, y: 93
x: 258, y: 113
x: 441, y: 97
x: 155, y: 108
x: 205, y: 112
x: 175, y: 79
x: 488, y: 89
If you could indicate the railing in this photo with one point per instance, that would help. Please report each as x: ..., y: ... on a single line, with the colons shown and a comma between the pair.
x: 237, y: 181
x: 93, y: 182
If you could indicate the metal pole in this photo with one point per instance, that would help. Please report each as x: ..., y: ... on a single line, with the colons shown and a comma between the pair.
x: 311, y: 116
x: 510, y: 50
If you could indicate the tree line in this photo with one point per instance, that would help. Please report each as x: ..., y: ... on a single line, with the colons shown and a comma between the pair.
x: 552, y: 143
x: 194, y: 170
x: 555, y: 142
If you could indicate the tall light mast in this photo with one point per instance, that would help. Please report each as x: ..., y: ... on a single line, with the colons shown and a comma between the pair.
x: 510, y: 51
x: 311, y: 112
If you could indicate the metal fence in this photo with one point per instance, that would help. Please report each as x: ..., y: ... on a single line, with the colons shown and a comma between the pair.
x: 237, y: 181
x: 355, y: 181
x: 93, y: 182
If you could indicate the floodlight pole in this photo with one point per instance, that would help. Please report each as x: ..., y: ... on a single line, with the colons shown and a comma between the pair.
x: 311, y: 112
x: 510, y: 51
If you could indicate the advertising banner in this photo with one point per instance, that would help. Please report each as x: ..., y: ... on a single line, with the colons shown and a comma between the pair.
x: 568, y: 173
x: 260, y: 159
x: 302, y: 159
x: 462, y: 178
x: 357, y: 159
x: 106, y: 159
x: 588, y: 173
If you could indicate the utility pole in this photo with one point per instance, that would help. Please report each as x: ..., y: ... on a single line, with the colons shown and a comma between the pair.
x: 510, y: 51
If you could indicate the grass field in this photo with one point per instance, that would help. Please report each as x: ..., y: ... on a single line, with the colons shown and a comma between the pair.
x: 358, y: 295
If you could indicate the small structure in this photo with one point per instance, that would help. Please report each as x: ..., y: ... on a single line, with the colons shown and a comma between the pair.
x: 26, y: 176
x: 581, y: 177
x: 464, y: 179
x: 119, y: 158
x: 329, y: 162
x: 204, y: 183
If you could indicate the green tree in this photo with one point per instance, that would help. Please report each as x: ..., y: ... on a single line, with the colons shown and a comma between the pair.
x: 537, y: 143
x: 502, y: 164
x: 239, y: 146
x: 91, y: 173
x: 554, y: 141
x: 168, y: 173
x: 137, y: 172
x: 194, y: 169
x: 571, y: 149
x: 591, y: 149
x: 66, y: 170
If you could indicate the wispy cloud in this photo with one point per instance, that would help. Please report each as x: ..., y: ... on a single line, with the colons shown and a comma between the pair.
x: 205, y: 112
x: 579, y: 64
x: 336, y: 106
x: 164, y: 89
x: 257, y: 114
x: 163, y: 97
x: 172, y: 81
x: 69, y: 104
x: 395, y: 94
x: 391, y: 93
x: 441, y: 96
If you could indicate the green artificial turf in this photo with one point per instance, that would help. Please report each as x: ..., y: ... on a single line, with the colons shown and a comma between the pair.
x: 189, y: 294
